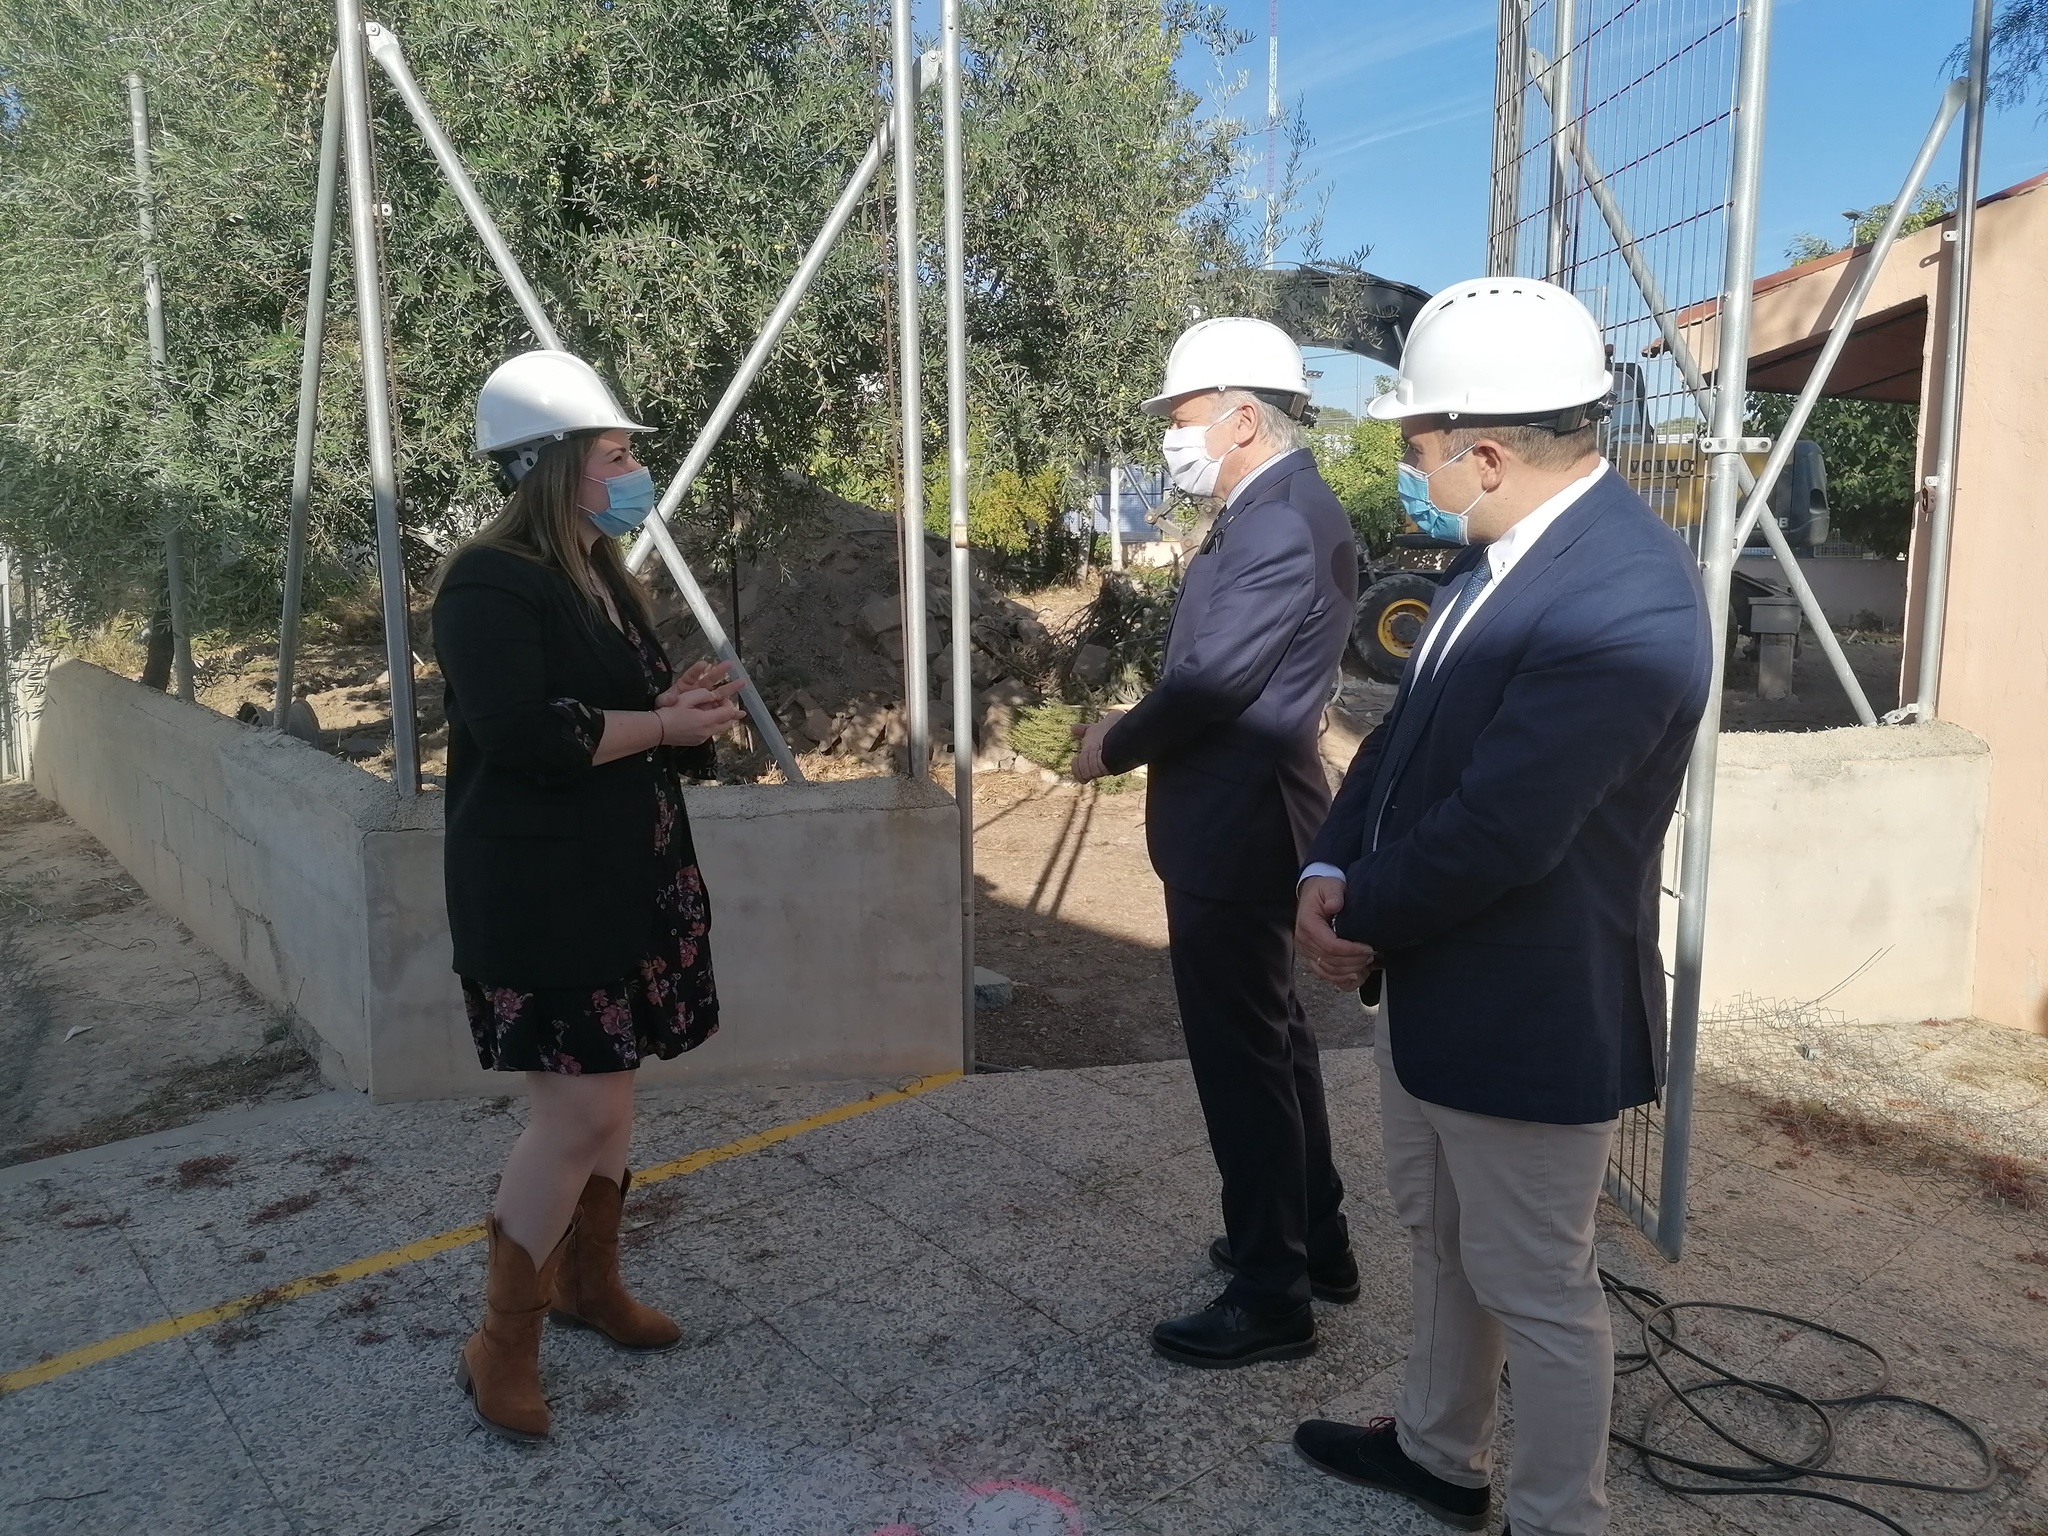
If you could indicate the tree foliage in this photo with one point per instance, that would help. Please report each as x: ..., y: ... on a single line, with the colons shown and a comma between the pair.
x: 657, y: 169
x: 1360, y: 462
x: 1869, y: 448
x: 2019, y: 55
x: 1934, y: 204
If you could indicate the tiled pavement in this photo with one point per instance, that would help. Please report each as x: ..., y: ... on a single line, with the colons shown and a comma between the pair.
x: 929, y: 1318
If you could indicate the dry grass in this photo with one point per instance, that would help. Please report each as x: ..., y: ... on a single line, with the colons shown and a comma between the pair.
x: 1996, y: 1176
x: 117, y: 646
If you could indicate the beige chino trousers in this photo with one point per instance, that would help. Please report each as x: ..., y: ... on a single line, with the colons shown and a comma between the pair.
x: 1501, y: 1216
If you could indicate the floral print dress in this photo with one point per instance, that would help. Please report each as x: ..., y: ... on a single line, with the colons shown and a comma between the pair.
x: 669, y: 1004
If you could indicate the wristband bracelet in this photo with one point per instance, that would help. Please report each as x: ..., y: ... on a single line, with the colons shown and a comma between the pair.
x: 660, y: 725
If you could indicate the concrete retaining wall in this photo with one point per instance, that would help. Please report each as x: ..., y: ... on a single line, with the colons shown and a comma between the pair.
x: 1840, y: 850
x: 1846, y: 586
x: 835, y: 912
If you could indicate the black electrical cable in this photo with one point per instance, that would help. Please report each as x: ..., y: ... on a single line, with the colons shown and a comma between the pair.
x: 1768, y: 1472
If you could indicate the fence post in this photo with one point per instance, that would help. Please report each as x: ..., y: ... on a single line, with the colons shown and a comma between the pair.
x: 10, y: 743
x: 916, y: 676
x: 1558, y: 241
x: 1717, y: 546
x: 956, y: 500
x: 363, y: 213
x: 317, y: 284
x: 1941, y: 511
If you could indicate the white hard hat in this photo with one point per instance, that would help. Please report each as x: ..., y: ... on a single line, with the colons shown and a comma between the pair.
x: 1499, y: 346
x: 541, y: 395
x: 1233, y: 353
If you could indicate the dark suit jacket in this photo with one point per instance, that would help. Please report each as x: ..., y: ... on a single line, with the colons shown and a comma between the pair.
x: 1521, y: 796
x: 1236, y: 789
x: 549, y: 861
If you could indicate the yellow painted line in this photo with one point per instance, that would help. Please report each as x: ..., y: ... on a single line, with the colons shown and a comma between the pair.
x: 426, y: 1247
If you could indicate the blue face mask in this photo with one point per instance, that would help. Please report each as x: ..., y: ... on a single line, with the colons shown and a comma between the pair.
x: 1433, y: 520
x: 628, y: 500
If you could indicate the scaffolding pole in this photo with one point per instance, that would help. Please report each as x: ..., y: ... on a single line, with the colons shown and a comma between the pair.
x: 159, y: 360
x: 1508, y: 92
x: 722, y: 414
x: 12, y: 750
x: 382, y: 44
x: 910, y: 365
x: 317, y: 284
x: 363, y: 213
x: 956, y: 504
x: 1558, y: 93
x: 1942, y: 502
x: 1116, y: 527
x: 1718, y: 550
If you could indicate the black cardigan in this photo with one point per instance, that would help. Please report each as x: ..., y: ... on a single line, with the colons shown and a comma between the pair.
x: 549, y: 860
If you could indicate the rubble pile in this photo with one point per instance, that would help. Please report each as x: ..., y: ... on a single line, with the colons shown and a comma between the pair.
x: 821, y: 631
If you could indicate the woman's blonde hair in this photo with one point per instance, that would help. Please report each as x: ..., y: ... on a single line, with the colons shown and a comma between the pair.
x: 541, y: 522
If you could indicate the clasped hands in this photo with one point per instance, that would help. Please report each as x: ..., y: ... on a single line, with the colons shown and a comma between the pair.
x: 1338, y: 961
x: 699, y: 705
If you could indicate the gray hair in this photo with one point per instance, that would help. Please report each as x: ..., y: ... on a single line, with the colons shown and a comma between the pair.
x: 1275, y: 425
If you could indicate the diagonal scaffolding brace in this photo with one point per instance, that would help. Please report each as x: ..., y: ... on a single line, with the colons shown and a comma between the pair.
x: 382, y: 45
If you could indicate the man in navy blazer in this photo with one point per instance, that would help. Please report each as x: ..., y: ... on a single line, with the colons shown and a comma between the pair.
x: 1234, y: 793
x: 1494, y: 854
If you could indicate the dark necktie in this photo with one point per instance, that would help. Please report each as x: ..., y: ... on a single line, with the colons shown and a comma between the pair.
x: 1475, y: 583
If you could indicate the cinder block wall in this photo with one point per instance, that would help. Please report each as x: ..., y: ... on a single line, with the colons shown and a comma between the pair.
x: 835, y: 906
x: 1851, y: 856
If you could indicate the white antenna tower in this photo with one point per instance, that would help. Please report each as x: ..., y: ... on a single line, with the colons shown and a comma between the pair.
x: 1272, y: 128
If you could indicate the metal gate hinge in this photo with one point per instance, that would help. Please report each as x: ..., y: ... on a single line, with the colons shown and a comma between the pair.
x: 1735, y: 445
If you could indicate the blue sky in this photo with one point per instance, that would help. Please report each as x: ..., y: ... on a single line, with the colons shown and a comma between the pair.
x: 1398, y: 94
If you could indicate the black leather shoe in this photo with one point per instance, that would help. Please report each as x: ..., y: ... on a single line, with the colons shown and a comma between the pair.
x: 1372, y: 1458
x: 1334, y: 1280
x: 1224, y: 1334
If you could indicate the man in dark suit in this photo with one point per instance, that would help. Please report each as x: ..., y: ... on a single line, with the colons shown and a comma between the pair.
x: 1494, y: 853
x: 1234, y: 793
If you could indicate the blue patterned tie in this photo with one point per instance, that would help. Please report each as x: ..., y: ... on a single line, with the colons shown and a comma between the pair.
x: 1475, y: 583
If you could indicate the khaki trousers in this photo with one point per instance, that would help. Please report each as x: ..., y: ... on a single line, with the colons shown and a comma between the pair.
x: 1501, y: 1215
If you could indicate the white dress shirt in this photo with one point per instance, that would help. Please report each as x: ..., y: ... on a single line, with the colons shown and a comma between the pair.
x: 1501, y: 556
x: 1252, y: 477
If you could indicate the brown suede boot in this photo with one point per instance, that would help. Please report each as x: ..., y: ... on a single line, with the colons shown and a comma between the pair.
x: 588, y: 1292
x: 500, y: 1365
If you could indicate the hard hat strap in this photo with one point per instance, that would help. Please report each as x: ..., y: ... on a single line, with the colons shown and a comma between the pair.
x: 1558, y: 423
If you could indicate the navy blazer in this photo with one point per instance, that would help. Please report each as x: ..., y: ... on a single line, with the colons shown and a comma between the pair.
x: 1521, y: 794
x: 1236, y: 788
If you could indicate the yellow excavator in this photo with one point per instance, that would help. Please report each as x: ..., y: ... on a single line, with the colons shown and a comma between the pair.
x: 1667, y: 469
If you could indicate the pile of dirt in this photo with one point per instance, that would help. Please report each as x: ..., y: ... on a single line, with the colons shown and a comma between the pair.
x: 821, y: 632
x: 820, y: 629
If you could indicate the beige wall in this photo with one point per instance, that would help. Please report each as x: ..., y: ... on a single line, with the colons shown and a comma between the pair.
x: 1995, y: 645
x: 1994, y: 669
x: 1847, y: 865
x: 836, y: 907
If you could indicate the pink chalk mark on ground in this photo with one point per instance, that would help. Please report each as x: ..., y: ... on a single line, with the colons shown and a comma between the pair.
x: 1070, y: 1512
x: 1059, y: 1501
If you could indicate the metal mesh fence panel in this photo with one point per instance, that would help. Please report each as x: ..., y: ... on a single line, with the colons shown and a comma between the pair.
x: 1611, y: 177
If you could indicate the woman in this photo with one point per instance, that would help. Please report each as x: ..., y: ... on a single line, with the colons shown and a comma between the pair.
x: 577, y: 911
